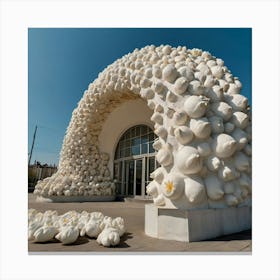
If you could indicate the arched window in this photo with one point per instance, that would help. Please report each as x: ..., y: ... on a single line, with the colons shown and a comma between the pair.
x: 134, y: 160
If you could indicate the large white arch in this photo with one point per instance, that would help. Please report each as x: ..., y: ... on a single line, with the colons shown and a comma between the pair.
x: 201, y: 119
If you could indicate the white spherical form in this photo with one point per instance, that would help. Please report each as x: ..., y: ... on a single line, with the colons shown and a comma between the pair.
x: 204, y: 149
x: 157, y: 71
x: 158, y: 175
x: 180, y: 117
x: 222, y: 109
x: 157, y: 118
x: 229, y: 187
x: 241, y: 161
x: 195, y: 87
x: 200, y: 76
x: 200, y: 127
x: 240, y: 119
x: 109, y: 237
x: 68, y: 235
x: 186, y: 72
x: 214, y: 187
x: 203, y: 68
x: 171, y: 97
x: 166, y: 49
x: 149, y: 73
x: 227, y: 173
x: 145, y: 83
x: 159, y: 108
x: 209, y: 81
x: 241, y: 138
x: 231, y: 200
x: 164, y: 157
x: 92, y: 228
x: 183, y: 134
x: 237, y: 101
x: 161, y: 132
x: 245, y: 181
x: 158, y: 87
x: 217, y: 71
x: 195, y: 106
x: 170, y: 73
x: 229, y: 127
x: 157, y: 144
x: 233, y: 89
x: 151, y: 104
x: 152, y: 189
x: 215, y: 93
x: 217, y: 124
x: 181, y: 85
x: 224, y: 145
x: 147, y: 93
x: 45, y: 233
x: 189, y: 160
x: 213, y: 163
x: 173, y: 186
x: 194, y: 189
x: 159, y: 200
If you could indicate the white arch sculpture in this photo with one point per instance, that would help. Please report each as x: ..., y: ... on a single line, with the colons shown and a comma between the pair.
x: 201, y: 119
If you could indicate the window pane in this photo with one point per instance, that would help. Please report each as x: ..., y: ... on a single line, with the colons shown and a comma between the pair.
x: 151, y: 165
x: 144, y: 139
x: 151, y: 148
x: 135, y: 150
x: 144, y: 149
x: 138, y: 177
x: 127, y: 143
x: 135, y: 141
x: 151, y: 136
x: 122, y: 154
x: 127, y: 152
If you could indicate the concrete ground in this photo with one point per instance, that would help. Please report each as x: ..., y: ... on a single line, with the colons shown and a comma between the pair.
x: 134, y: 240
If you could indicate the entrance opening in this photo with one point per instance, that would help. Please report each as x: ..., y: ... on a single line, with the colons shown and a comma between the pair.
x: 134, y: 161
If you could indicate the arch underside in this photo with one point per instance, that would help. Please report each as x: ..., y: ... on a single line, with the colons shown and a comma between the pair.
x: 201, y: 119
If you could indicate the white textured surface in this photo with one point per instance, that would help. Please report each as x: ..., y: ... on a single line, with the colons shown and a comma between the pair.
x: 201, y: 118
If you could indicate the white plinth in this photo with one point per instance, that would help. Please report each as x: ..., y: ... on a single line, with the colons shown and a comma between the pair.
x: 195, y: 225
x: 75, y: 198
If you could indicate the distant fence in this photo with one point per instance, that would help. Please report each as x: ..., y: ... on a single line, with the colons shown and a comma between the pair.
x: 36, y: 173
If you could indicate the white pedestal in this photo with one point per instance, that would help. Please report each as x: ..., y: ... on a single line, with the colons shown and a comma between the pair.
x: 195, y: 225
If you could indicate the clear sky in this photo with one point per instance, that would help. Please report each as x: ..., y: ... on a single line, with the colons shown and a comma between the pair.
x: 63, y: 61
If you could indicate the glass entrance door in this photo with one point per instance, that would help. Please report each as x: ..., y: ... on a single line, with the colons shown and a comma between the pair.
x: 129, y: 177
x: 133, y: 180
x: 136, y: 175
x: 138, y: 179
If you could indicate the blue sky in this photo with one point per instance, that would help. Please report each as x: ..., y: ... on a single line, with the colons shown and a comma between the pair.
x: 63, y: 61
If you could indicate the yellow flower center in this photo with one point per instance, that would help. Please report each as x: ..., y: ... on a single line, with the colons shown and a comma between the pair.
x: 169, y: 186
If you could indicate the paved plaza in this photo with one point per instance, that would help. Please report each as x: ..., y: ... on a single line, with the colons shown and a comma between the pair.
x: 134, y: 240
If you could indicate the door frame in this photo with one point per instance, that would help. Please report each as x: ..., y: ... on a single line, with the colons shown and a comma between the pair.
x: 123, y: 186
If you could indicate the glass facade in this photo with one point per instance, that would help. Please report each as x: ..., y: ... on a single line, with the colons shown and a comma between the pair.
x: 135, y: 141
x: 134, y: 161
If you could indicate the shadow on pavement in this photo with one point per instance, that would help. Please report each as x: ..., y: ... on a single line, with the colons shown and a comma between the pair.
x: 243, y: 235
x: 126, y: 236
